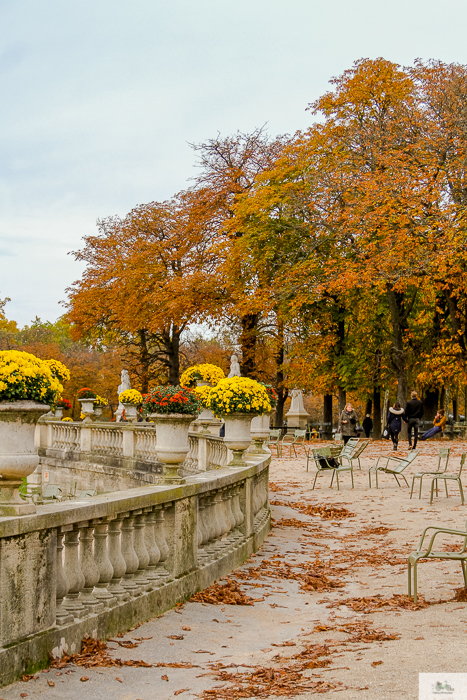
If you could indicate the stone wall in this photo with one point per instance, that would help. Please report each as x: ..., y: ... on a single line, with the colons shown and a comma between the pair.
x: 100, y: 566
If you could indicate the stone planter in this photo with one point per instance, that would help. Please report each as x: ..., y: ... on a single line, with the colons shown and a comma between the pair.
x: 259, y: 433
x: 172, y: 443
x: 237, y: 436
x: 87, y: 407
x: 98, y: 412
x: 58, y: 413
x: 18, y: 454
x: 131, y: 412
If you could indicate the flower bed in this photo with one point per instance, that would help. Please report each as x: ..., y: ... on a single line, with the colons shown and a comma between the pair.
x: 25, y: 377
x: 272, y: 394
x: 100, y: 402
x: 130, y: 396
x: 205, y: 373
x: 204, y: 395
x: 171, y: 399
x: 64, y: 404
x: 239, y: 395
x: 58, y: 370
x: 86, y: 393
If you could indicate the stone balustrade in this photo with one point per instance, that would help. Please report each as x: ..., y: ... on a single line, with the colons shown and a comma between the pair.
x: 108, y: 456
x: 100, y: 566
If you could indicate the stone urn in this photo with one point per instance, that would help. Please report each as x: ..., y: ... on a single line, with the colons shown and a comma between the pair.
x: 259, y: 433
x: 206, y: 418
x: 18, y: 454
x: 237, y: 436
x: 98, y: 412
x: 172, y: 443
x: 58, y: 413
x: 87, y: 407
x: 131, y: 412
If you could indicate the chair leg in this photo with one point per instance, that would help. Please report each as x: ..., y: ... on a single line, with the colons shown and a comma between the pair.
x: 446, y: 487
x: 337, y: 479
x: 409, y: 572
x: 351, y: 474
x: 415, y: 582
x: 420, y: 492
x: 461, y: 490
x: 398, y: 483
x: 314, y: 482
x: 432, y: 489
x: 464, y: 572
x: 369, y: 478
x: 406, y: 482
x: 413, y: 484
x: 376, y: 476
x: 332, y: 480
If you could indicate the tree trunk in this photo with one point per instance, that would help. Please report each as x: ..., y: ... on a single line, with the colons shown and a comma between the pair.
x: 455, y: 408
x: 282, y: 391
x: 341, y: 401
x: 172, y: 347
x: 327, y: 416
x: 368, y: 407
x: 248, y: 338
x: 376, y: 413
x: 430, y: 404
x: 398, y: 356
x: 144, y: 361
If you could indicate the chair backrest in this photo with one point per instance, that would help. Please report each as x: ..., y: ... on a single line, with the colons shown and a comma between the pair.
x: 72, y: 489
x: 319, y: 452
x: 87, y: 493
x: 51, y: 491
x: 338, y: 437
x: 349, y: 448
x: 362, y: 445
x: 443, y: 458
x: 410, y: 457
x: 274, y: 435
x: 300, y: 435
x: 463, y: 457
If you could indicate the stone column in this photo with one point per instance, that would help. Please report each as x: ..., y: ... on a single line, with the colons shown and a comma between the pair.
x: 130, y: 556
x: 62, y: 617
x: 104, y: 565
x: 141, y: 551
x: 89, y: 568
x: 117, y: 560
x: 74, y: 575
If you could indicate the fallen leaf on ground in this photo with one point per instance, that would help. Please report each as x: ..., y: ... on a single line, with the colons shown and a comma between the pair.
x: 165, y: 678
x: 182, y: 690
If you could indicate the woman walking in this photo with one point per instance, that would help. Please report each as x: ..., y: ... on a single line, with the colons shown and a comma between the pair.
x: 395, y: 424
x: 347, y: 423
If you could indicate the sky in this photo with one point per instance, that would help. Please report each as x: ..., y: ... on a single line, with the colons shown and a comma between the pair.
x: 99, y: 101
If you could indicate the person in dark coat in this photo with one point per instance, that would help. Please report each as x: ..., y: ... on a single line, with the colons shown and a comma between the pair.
x: 367, y: 425
x: 394, y: 422
x: 347, y: 423
x: 413, y: 414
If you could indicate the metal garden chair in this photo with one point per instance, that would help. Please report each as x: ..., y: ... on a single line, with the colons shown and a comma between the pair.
x: 298, y: 437
x: 338, y: 438
x: 360, y: 447
x: 428, y: 553
x: 401, y: 463
x: 324, y: 453
x: 443, y: 459
x: 449, y: 477
x: 274, y: 439
x: 48, y: 494
x: 86, y: 493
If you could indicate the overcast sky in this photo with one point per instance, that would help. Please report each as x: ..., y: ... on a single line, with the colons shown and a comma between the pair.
x: 99, y: 100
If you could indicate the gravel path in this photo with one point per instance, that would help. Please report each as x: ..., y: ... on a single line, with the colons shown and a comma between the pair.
x: 299, y: 638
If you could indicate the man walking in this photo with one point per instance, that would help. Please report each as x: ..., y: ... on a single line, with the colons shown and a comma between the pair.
x: 413, y: 414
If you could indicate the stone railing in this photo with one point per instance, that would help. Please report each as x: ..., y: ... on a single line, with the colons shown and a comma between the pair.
x: 108, y: 456
x: 100, y: 566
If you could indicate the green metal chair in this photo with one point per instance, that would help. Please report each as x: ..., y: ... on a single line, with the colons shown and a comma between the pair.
x: 325, y: 453
x: 48, y: 494
x: 86, y: 493
x: 428, y: 553
x: 359, y: 448
x: 298, y: 437
x: 449, y: 477
x: 443, y: 459
x: 274, y: 439
x: 401, y: 463
x: 338, y: 438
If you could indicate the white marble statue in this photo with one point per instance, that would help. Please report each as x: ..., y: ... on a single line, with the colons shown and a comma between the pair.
x: 297, y: 416
x: 296, y: 405
x: 234, y: 367
x: 123, y: 386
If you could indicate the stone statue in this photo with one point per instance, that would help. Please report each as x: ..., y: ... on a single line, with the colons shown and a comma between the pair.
x: 297, y: 416
x: 234, y: 367
x: 296, y: 405
x: 123, y: 386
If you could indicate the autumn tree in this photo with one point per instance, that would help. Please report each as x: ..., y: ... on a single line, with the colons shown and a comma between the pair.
x: 147, y: 277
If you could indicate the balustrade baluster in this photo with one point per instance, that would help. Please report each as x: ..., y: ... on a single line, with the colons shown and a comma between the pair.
x: 239, y: 517
x: 130, y: 556
x: 117, y: 560
x: 89, y: 569
x: 228, y: 503
x: 104, y: 565
x: 161, y: 542
x: 151, y: 545
x: 62, y: 616
x: 141, y: 551
x: 74, y: 575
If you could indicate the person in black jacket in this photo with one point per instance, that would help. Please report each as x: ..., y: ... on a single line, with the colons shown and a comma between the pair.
x: 367, y: 425
x: 413, y: 414
x: 394, y: 423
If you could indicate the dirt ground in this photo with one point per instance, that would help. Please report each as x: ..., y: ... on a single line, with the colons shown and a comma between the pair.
x: 329, y: 614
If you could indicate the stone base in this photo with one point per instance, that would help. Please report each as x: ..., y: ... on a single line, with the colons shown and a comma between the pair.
x: 8, y: 509
x: 170, y: 481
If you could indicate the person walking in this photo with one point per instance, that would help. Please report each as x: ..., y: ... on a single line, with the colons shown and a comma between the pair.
x: 439, y: 425
x: 347, y: 423
x: 413, y: 413
x: 367, y: 425
x: 394, y: 423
